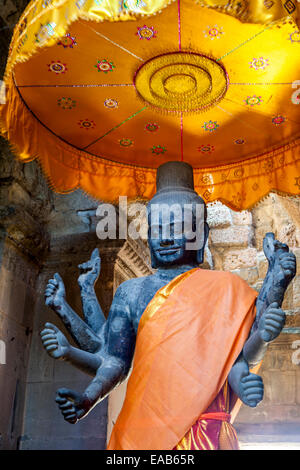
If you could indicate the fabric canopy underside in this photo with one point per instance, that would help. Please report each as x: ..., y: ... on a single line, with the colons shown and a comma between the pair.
x: 102, y: 92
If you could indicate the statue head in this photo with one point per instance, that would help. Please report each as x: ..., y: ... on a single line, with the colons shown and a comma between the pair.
x: 177, y: 230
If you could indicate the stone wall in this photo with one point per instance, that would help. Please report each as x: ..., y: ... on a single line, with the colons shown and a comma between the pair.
x: 72, y: 239
x: 25, y: 201
x: 235, y: 244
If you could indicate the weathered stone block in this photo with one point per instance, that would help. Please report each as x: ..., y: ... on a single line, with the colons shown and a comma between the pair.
x: 296, y: 292
x: 262, y: 264
x: 236, y: 259
x: 241, y: 218
x: 280, y: 387
x: 288, y: 301
x: 232, y: 236
x: 218, y: 215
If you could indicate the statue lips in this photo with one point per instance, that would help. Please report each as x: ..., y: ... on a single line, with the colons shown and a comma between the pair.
x: 169, y: 251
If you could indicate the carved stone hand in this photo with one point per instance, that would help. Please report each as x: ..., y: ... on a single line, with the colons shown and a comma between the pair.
x: 55, y: 292
x: 286, y: 263
x: 271, y: 322
x: 89, y: 271
x: 282, y: 262
x: 55, y: 342
x: 72, y: 405
x: 251, y: 389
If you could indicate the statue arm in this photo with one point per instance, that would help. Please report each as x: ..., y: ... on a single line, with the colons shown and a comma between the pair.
x: 116, y: 357
x: 270, y: 319
x: 89, y: 273
x: 83, y: 335
x: 92, y: 311
x: 58, y: 347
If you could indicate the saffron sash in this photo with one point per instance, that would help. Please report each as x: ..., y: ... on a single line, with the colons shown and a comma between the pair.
x: 188, y: 339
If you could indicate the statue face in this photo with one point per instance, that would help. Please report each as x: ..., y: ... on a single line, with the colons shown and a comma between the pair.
x: 173, y: 231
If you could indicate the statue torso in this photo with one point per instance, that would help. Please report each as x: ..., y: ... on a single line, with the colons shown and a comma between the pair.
x: 138, y: 292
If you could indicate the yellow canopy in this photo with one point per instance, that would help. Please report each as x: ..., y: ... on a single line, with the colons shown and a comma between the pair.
x: 102, y: 92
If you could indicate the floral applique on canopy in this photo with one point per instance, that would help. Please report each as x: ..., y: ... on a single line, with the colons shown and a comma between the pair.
x: 102, y: 92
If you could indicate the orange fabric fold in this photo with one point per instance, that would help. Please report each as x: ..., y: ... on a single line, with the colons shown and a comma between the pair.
x: 188, y: 339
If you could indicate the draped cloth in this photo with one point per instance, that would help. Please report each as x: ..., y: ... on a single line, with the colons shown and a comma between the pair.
x: 188, y: 339
x: 213, y: 430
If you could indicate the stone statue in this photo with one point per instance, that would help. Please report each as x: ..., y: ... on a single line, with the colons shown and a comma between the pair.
x: 106, y: 347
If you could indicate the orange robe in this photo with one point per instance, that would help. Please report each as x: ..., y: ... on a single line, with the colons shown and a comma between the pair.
x: 188, y: 339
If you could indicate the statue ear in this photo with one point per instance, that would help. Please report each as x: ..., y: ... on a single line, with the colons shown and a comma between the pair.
x: 200, y: 253
x: 152, y: 255
x: 153, y: 259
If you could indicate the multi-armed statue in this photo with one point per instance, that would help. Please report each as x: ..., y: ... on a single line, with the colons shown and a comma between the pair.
x: 188, y: 336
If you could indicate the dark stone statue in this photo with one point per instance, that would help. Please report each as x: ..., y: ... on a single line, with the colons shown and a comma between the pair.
x: 106, y: 347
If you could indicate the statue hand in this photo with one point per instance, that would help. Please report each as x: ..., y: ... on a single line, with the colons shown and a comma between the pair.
x: 271, y: 246
x: 286, y: 270
x: 251, y: 390
x: 55, y: 292
x: 271, y: 322
x: 55, y: 342
x: 89, y: 271
x: 72, y: 405
x: 282, y: 262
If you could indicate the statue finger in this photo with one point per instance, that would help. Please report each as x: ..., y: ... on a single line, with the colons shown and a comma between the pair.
x: 275, y: 323
x: 254, y: 397
x: 289, y: 256
x: 58, y: 278
x: 277, y: 314
x: 288, y: 265
x: 48, y: 335
x: 52, y: 327
x: 252, y: 385
x: 52, y: 282
x: 46, y: 331
x: 95, y: 253
x: 273, y: 305
x: 52, y: 347
x: 50, y: 287
x: 253, y: 403
x: 69, y: 415
x: 49, y: 342
x: 48, y: 291
x: 67, y: 405
x: 68, y: 412
x: 253, y: 391
x: 83, y: 266
x: 273, y: 331
x: 71, y: 420
x: 60, y: 400
x: 67, y: 393
x: 250, y: 378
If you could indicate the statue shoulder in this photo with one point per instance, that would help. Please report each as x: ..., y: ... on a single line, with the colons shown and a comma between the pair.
x: 131, y: 288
